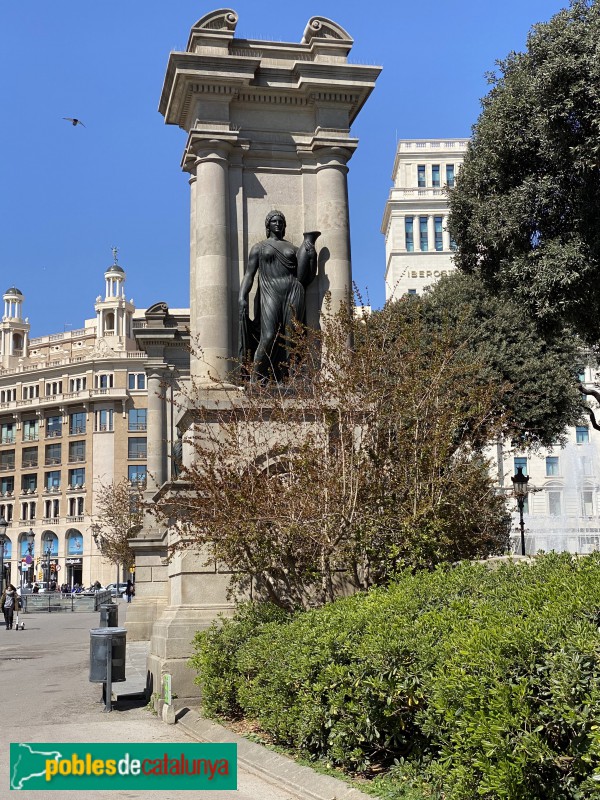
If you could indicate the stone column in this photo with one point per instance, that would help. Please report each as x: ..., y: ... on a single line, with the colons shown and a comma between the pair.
x: 445, y: 233
x: 334, y: 223
x: 209, y: 280
x: 156, y: 432
x: 430, y: 234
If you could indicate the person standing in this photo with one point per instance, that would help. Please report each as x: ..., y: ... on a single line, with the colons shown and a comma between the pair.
x: 8, y: 601
x: 129, y: 591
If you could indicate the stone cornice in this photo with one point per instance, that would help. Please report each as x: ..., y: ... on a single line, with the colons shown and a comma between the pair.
x: 247, y: 79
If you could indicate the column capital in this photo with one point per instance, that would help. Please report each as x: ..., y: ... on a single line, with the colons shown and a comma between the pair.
x: 332, y: 156
x: 205, y: 145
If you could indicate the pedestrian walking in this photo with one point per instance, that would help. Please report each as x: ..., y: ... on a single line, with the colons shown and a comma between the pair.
x: 9, y: 601
x: 129, y: 591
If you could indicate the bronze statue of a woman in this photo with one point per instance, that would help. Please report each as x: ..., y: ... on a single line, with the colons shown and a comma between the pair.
x: 284, y: 273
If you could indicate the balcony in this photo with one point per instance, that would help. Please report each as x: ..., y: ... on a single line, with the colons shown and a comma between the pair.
x: 137, y: 455
x: 30, y: 463
x: 138, y: 426
x: 74, y: 459
x: 28, y: 492
x: 50, y: 520
x: 77, y: 430
x: 76, y: 487
x: 75, y: 519
x: 52, y: 461
x: 53, y: 433
x: 8, y: 440
x: 7, y: 466
x: 52, y: 490
x: 31, y: 437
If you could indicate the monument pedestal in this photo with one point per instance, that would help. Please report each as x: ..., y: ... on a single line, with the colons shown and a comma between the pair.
x: 268, y: 128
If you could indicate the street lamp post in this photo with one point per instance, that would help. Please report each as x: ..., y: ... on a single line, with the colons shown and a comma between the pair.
x: 30, y: 541
x: 520, y: 491
x: 3, y: 527
x: 47, y: 554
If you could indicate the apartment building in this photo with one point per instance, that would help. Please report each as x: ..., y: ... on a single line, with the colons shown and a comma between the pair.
x: 561, y: 512
x: 73, y: 416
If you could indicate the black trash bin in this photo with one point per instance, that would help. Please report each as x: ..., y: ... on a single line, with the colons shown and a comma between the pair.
x: 109, y: 615
x: 101, y: 641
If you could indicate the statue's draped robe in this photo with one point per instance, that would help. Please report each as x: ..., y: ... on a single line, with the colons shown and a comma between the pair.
x: 280, y: 300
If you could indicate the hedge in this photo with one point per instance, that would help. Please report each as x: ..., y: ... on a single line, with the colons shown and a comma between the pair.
x: 484, y: 682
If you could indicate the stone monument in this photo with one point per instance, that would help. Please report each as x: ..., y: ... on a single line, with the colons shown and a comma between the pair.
x: 268, y: 128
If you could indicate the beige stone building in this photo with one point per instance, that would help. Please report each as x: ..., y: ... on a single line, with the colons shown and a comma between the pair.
x: 562, y: 513
x: 73, y: 415
x: 418, y: 249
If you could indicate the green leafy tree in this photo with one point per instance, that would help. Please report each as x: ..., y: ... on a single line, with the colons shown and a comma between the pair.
x: 368, y: 459
x: 537, y: 373
x: 525, y: 213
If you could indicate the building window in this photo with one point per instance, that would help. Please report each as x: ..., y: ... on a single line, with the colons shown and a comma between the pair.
x: 76, y: 507
x: 137, y: 447
x: 31, y: 430
x: 450, y: 176
x: 439, y: 238
x: 453, y: 245
x: 52, y: 480
x: 53, y: 454
x: 137, y: 380
x: 76, y: 478
x: 7, y: 485
x: 77, y: 384
x: 6, y: 395
x: 104, y: 381
x: 7, y: 433
x: 51, y: 509
x: 7, y: 461
x: 6, y: 511
x: 585, y: 464
x: 551, y: 466
x: 587, y: 504
x: 31, y: 391
x: 526, y: 504
x: 29, y: 457
x: 582, y: 434
x: 29, y: 483
x: 53, y: 427
x: 28, y: 510
x: 104, y: 419
x: 554, y: 504
x: 521, y: 461
x: 408, y: 234
x: 76, y: 451
x: 423, y: 243
x: 421, y: 181
x: 435, y: 176
x: 412, y: 291
x: 53, y: 387
x: 77, y: 423
x: 137, y: 419
x: 136, y: 474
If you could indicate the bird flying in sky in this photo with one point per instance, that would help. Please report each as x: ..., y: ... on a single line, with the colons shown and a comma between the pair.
x: 74, y: 121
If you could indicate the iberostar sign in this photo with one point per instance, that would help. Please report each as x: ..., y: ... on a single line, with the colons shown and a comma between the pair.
x: 106, y: 766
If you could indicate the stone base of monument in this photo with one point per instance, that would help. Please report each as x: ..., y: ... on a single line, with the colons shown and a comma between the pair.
x: 142, y: 613
x: 171, y: 647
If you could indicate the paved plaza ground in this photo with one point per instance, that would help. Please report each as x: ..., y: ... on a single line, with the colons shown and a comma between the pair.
x: 46, y: 696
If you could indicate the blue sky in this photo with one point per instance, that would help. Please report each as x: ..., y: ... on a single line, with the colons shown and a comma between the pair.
x: 67, y: 194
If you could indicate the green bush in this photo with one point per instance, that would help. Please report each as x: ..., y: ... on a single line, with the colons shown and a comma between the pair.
x: 216, y: 650
x: 483, y: 681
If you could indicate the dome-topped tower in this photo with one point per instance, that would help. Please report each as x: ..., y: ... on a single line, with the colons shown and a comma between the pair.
x: 114, y: 313
x: 14, y: 330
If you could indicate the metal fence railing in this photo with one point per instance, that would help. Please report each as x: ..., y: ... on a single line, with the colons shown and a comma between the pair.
x: 55, y: 601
